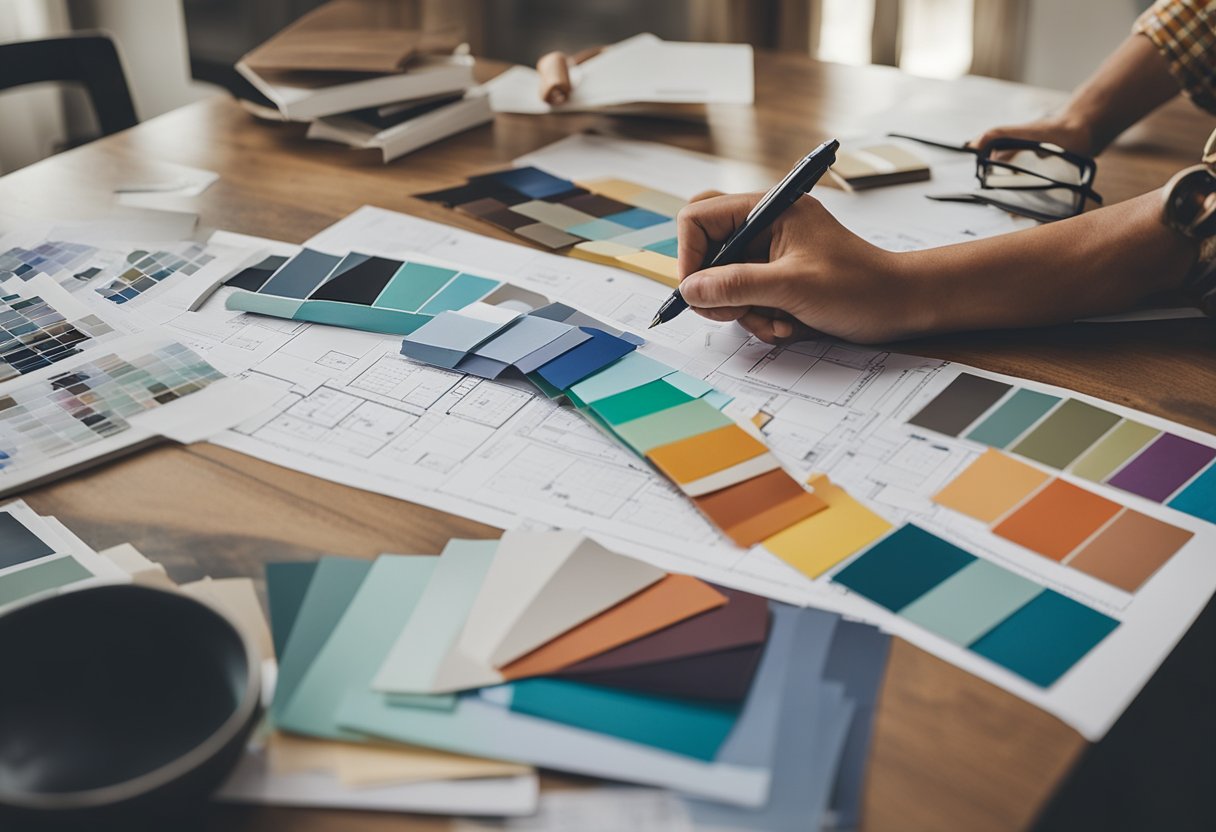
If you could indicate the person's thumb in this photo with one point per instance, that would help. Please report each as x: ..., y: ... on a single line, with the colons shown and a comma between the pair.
x: 737, y: 284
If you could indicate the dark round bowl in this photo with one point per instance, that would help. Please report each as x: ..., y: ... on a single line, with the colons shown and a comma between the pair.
x: 119, y: 704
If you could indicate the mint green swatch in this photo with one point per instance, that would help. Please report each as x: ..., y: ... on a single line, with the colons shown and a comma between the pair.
x: 272, y: 305
x: 1012, y: 418
x: 670, y: 425
x: 41, y: 577
x: 971, y: 602
x: 412, y: 286
x: 413, y: 662
x: 693, y: 386
x: 463, y: 290
x: 333, y: 585
x: 358, y: 644
x: 632, y: 370
x: 357, y: 316
x: 433, y: 701
x: 639, y: 402
x: 693, y: 729
x: 717, y: 398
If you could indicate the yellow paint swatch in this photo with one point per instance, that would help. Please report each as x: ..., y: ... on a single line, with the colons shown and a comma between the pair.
x: 698, y: 456
x: 604, y: 252
x: 651, y: 264
x: 990, y: 486
x: 816, y: 544
x: 619, y: 189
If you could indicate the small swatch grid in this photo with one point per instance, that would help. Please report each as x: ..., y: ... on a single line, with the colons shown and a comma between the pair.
x: 1080, y: 438
x: 33, y: 560
x: 1032, y: 631
x: 609, y: 221
x: 33, y: 334
x: 51, y: 258
x: 145, y: 270
x: 355, y: 290
x: 668, y: 417
x: 93, y: 401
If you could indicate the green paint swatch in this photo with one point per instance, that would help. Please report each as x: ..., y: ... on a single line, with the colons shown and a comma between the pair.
x: 1114, y: 449
x: 639, y: 402
x: 1046, y: 637
x: 463, y: 290
x: 671, y: 425
x: 358, y: 644
x: 971, y: 601
x: 357, y: 316
x: 1012, y: 418
x: 412, y: 286
x: 272, y: 305
x: 693, y: 729
x: 1066, y: 433
x: 632, y: 370
x: 41, y: 577
x: 286, y: 585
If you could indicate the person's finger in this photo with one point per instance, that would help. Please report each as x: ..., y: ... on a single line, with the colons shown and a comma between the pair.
x: 737, y: 284
x: 555, y: 84
x: 722, y: 314
x: 705, y: 195
x: 774, y: 330
x: 702, y: 226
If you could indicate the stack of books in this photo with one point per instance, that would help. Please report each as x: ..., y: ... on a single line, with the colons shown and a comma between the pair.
x: 361, y: 78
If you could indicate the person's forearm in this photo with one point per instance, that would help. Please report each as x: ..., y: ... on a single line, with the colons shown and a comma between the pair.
x: 1098, y: 263
x: 1130, y: 84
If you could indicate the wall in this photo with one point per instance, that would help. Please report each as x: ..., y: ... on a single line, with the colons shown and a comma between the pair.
x: 1065, y: 41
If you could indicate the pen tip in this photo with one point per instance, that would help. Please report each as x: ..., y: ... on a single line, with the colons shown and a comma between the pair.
x: 654, y: 323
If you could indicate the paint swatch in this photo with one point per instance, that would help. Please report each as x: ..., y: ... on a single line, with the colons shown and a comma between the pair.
x: 819, y: 542
x: 145, y: 270
x: 33, y: 335
x: 355, y: 290
x: 94, y: 401
x: 989, y: 487
x: 609, y: 221
x: 1089, y: 441
x: 52, y: 258
x: 1033, y: 632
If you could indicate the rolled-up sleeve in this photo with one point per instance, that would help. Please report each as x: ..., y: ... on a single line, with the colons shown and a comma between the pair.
x: 1184, y: 31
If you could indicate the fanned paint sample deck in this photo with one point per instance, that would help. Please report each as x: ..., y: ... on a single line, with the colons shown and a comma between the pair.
x: 609, y: 221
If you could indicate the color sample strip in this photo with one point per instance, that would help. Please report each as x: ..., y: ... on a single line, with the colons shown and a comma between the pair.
x: 1162, y: 467
x: 146, y: 269
x: 1066, y: 433
x: 902, y: 567
x: 286, y: 585
x: 1012, y: 418
x: 819, y: 542
x: 252, y: 278
x: 34, y: 334
x: 990, y: 486
x: 41, y: 577
x: 696, y: 457
x: 670, y: 425
x: 633, y: 370
x: 640, y: 401
x: 50, y: 258
x: 722, y: 676
x: 460, y: 292
x: 301, y: 274
x: 1046, y: 637
x: 1128, y: 551
x: 358, y: 279
x: 413, y: 285
x: 760, y: 507
x: 1199, y: 498
x: 588, y: 357
x: 1113, y: 449
x: 448, y: 337
x: 1057, y: 519
x: 971, y: 602
x: 961, y: 403
x: 524, y: 337
x: 18, y: 544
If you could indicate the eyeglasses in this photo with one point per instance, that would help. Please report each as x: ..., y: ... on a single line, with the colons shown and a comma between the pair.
x: 1039, y: 180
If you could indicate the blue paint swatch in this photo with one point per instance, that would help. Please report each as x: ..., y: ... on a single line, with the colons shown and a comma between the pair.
x: 1013, y: 418
x: 637, y: 218
x: 1046, y: 637
x: 902, y: 567
x: 664, y: 247
x: 532, y: 181
x: 593, y: 354
x: 1199, y: 498
x: 301, y: 274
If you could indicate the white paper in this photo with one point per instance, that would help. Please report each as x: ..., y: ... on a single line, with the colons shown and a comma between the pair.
x: 597, y: 809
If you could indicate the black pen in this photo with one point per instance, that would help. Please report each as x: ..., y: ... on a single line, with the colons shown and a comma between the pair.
x: 781, y: 196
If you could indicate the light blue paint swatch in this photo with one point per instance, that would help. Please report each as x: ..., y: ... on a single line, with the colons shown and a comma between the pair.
x: 971, y: 601
x: 459, y: 293
x: 1012, y: 418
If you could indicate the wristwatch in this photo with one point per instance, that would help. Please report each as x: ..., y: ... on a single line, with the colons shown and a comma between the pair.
x: 1190, y: 209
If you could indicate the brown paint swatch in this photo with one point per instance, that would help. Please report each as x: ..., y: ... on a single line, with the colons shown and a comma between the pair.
x: 960, y: 404
x: 670, y: 601
x: 1130, y: 550
x: 758, y: 508
x: 1057, y: 519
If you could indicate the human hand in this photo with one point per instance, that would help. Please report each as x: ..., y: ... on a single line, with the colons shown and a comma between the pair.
x: 1066, y: 131
x: 554, y: 68
x: 807, y: 274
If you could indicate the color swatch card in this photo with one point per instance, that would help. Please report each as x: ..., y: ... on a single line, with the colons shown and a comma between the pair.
x: 359, y: 291
x: 605, y: 220
x: 37, y: 560
x: 65, y: 261
x: 41, y: 324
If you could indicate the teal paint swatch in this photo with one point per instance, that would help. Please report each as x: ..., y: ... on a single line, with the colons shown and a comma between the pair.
x: 639, y: 402
x: 1046, y: 637
x: 666, y: 247
x: 598, y: 230
x: 633, y: 370
x: 272, y: 305
x: 358, y: 644
x: 1013, y: 418
x: 463, y: 290
x: 670, y: 425
x: 355, y: 316
x: 692, y: 729
x: 971, y: 601
x: 334, y: 584
x: 41, y: 577
x: 286, y: 585
x: 1199, y: 498
x: 412, y: 286
x: 902, y: 567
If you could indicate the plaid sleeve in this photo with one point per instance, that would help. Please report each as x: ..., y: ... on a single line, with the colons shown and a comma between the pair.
x: 1184, y: 31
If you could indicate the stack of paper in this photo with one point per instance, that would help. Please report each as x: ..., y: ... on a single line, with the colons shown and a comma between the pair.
x: 366, y: 79
x: 586, y: 661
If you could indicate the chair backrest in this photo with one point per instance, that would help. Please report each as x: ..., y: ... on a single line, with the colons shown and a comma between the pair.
x: 87, y: 58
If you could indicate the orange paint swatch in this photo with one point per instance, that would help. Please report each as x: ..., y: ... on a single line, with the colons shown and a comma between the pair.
x: 990, y: 486
x: 670, y: 601
x: 1128, y: 551
x: 706, y: 453
x: 758, y: 508
x: 1057, y: 519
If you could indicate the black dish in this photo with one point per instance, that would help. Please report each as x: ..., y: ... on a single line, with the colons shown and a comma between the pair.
x: 119, y: 704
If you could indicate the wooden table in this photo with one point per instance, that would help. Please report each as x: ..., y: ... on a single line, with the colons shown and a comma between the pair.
x: 950, y: 751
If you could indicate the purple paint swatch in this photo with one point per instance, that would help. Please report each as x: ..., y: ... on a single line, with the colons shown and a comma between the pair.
x: 1163, y: 467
